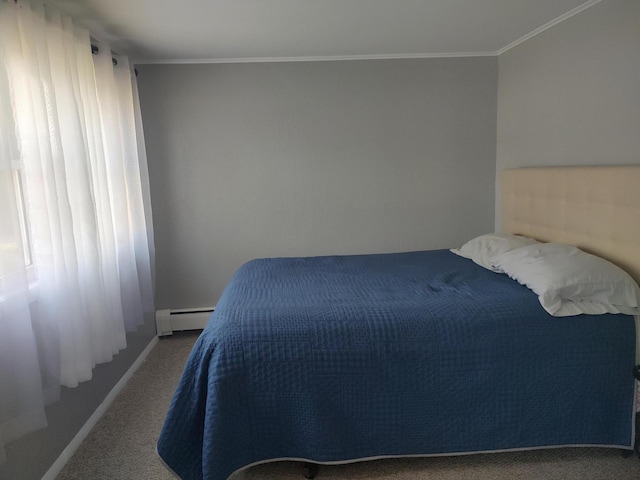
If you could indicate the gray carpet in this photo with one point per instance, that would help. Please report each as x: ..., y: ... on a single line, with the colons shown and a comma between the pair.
x: 122, y: 445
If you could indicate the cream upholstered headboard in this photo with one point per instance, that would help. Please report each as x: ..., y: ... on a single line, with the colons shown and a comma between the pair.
x: 594, y: 208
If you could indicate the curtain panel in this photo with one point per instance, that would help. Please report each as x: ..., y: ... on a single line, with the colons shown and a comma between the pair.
x: 76, y: 245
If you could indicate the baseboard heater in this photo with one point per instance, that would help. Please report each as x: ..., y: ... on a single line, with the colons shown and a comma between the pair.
x: 180, y: 319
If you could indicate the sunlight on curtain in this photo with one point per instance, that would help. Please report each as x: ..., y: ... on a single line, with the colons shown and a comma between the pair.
x: 75, y: 241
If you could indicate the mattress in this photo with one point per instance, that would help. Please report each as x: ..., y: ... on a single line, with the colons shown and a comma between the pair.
x: 342, y: 358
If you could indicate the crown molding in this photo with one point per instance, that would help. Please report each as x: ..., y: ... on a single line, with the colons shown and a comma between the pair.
x: 329, y: 58
x: 548, y: 25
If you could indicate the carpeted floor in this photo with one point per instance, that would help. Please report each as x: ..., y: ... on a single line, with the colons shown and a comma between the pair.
x: 122, y: 445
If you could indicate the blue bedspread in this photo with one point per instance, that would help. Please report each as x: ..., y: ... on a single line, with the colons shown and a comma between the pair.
x: 350, y: 357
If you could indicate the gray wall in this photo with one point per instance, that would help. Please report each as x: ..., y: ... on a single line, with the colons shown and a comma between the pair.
x: 313, y: 158
x: 571, y: 95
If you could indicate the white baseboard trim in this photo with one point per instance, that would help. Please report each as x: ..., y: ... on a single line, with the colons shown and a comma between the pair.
x: 70, y: 449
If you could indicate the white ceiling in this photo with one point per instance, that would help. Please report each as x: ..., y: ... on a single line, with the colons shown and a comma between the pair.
x: 261, y: 30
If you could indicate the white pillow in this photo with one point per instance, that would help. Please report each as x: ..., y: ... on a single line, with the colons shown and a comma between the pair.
x: 484, y: 248
x: 569, y: 281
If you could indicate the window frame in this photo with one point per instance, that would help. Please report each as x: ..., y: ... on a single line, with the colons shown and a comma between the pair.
x: 17, y: 174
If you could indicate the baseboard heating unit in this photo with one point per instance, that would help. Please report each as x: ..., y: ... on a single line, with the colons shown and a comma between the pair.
x: 179, y: 319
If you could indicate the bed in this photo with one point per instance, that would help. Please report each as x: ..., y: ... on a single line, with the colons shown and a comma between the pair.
x: 347, y: 358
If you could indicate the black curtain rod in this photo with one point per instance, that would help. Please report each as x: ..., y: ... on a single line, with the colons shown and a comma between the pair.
x: 95, y: 50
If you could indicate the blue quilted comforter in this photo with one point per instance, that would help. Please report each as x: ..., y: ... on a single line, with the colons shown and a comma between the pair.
x: 340, y: 358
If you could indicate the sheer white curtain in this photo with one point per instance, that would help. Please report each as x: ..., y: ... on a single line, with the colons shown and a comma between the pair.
x: 76, y: 247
